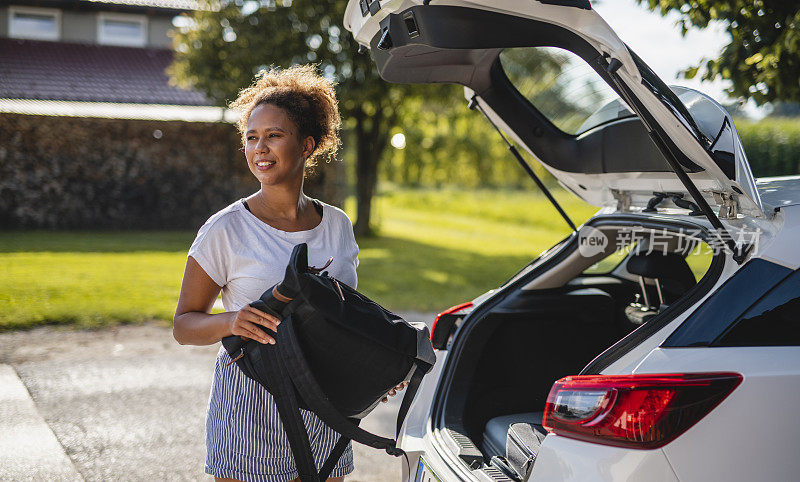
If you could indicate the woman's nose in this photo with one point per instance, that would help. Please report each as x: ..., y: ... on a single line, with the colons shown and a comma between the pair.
x: 261, y: 145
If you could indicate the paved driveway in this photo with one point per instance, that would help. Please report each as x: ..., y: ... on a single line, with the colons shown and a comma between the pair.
x: 125, y: 403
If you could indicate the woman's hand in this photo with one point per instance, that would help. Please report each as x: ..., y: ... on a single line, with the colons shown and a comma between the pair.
x: 394, y: 391
x: 248, y: 321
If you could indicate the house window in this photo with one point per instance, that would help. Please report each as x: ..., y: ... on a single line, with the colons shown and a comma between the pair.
x: 121, y: 29
x: 34, y: 23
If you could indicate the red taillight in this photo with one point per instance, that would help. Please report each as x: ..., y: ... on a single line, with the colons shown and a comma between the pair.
x: 439, y: 338
x: 634, y: 411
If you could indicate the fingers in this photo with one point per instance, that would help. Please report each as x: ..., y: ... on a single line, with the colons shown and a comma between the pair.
x: 248, y: 322
x: 252, y: 331
x: 259, y: 317
x: 394, y: 391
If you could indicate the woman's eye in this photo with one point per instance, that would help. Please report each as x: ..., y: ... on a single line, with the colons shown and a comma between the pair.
x: 274, y: 135
x: 251, y: 138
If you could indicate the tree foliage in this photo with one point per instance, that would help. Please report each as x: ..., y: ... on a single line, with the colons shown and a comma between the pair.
x: 762, y: 59
x: 448, y: 144
x: 220, y: 50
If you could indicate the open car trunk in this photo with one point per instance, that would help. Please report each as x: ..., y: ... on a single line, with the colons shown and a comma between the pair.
x: 553, y: 321
x: 530, y: 340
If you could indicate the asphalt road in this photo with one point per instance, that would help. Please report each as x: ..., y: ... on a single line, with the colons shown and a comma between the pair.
x: 125, y: 403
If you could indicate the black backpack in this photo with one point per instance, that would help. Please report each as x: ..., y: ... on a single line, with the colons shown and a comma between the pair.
x: 337, y: 353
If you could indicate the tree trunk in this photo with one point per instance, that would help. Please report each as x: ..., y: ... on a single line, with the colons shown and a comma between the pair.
x: 372, y: 138
x: 366, y: 176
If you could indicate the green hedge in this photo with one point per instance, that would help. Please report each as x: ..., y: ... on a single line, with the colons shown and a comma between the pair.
x: 772, y: 145
x: 64, y: 172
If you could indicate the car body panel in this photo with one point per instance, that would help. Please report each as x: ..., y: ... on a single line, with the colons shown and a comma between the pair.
x: 565, y: 459
x: 717, y: 187
x: 782, y: 248
x: 779, y: 192
x: 416, y: 422
x: 758, y: 414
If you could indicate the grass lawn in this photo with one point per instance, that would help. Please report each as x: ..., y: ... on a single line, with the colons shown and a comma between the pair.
x: 435, y: 248
x: 439, y: 248
x: 89, y: 278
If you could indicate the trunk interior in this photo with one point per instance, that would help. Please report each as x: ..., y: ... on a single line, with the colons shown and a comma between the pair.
x: 545, y: 329
x: 514, y: 364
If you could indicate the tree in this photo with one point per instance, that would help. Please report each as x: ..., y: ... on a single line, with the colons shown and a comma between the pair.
x: 220, y: 50
x: 762, y: 57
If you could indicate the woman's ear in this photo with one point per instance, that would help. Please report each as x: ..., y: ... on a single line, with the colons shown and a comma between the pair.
x: 308, y: 147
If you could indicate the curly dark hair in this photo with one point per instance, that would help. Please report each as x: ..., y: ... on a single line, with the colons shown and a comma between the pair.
x: 307, y: 98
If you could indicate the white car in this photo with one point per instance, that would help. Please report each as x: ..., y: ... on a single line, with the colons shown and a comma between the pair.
x: 661, y: 340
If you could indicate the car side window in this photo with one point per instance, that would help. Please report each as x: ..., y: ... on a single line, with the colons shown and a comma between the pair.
x: 699, y: 260
x: 774, y: 320
x: 610, y: 262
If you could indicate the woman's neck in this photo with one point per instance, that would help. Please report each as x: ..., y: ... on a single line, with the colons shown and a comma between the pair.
x: 281, y: 203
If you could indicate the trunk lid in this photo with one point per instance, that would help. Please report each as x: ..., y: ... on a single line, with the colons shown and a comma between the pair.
x: 623, y: 151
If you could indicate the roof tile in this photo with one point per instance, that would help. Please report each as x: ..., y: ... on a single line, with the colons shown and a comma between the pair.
x: 166, y: 4
x: 31, y: 69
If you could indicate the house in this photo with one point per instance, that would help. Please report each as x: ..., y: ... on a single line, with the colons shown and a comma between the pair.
x: 92, y: 134
x: 83, y: 51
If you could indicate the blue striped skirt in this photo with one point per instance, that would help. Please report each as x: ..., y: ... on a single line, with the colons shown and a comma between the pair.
x: 244, y: 434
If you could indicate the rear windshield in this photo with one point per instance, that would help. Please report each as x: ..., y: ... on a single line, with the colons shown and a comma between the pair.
x: 563, y: 87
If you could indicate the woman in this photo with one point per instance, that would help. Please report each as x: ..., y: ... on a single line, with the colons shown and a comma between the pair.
x: 289, y: 120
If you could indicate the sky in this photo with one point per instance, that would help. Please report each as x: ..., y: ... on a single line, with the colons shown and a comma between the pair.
x: 658, y: 41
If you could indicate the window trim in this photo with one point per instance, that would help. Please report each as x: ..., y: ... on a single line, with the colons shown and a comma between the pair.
x: 715, y: 315
x: 721, y: 341
x: 13, y: 10
x: 104, y: 39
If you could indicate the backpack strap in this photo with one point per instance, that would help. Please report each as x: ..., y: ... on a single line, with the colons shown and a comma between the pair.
x: 411, y: 391
x: 270, y: 366
x: 334, y: 456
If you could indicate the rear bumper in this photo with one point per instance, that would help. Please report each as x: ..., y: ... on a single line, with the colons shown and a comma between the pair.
x: 565, y: 459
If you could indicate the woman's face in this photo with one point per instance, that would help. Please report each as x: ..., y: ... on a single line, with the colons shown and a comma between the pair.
x: 274, y: 149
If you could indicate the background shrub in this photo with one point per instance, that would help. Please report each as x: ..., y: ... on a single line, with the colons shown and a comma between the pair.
x: 772, y: 145
x: 66, y: 172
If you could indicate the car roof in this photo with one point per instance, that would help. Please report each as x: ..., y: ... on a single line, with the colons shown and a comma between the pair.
x: 779, y: 191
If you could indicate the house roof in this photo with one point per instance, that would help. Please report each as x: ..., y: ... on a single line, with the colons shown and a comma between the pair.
x: 38, y: 70
x: 166, y: 4
x: 116, y: 110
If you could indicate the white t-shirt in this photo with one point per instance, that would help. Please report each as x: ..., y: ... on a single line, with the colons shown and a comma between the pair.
x: 246, y: 256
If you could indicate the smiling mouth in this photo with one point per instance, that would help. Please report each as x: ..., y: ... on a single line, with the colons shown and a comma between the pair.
x: 264, y: 163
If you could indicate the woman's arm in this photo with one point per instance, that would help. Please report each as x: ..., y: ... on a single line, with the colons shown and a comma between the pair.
x: 194, y: 325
